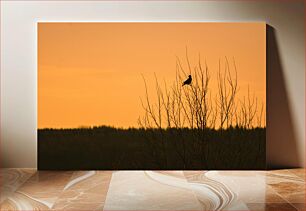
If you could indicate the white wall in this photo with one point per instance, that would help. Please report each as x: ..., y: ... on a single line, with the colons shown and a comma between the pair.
x: 19, y: 63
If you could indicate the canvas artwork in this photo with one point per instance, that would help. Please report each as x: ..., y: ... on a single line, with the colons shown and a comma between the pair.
x: 158, y: 96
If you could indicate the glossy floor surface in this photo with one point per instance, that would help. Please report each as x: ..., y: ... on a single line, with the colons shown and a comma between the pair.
x: 28, y: 189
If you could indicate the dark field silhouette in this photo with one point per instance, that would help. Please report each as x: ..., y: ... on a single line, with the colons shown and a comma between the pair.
x: 109, y: 148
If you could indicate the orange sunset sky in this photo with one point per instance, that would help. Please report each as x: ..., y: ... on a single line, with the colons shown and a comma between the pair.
x: 91, y: 73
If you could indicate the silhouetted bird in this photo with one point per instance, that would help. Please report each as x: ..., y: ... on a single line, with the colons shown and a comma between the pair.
x: 188, y: 81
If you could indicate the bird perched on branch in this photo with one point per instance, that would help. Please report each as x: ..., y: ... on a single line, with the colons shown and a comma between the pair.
x: 188, y: 81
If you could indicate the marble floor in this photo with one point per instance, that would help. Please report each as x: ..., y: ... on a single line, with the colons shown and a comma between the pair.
x: 28, y: 189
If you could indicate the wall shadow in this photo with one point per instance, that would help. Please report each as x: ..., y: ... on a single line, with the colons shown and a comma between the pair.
x: 281, y: 150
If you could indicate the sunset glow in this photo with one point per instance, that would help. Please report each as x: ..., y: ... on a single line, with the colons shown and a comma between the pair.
x: 91, y: 73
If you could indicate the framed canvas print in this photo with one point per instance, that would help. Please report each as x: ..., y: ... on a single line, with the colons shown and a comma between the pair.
x: 168, y: 95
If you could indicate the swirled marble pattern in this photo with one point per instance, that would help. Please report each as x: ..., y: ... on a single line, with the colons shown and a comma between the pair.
x: 12, y: 179
x: 147, y: 190
x: 86, y: 191
x: 28, y: 189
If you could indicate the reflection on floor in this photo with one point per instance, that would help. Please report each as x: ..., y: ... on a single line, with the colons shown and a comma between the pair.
x: 28, y: 189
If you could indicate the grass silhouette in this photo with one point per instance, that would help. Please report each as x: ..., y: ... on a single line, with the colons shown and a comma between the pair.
x: 109, y: 148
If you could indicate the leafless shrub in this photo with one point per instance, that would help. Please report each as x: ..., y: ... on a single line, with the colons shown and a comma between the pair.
x: 227, y: 91
x: 194, y: 107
